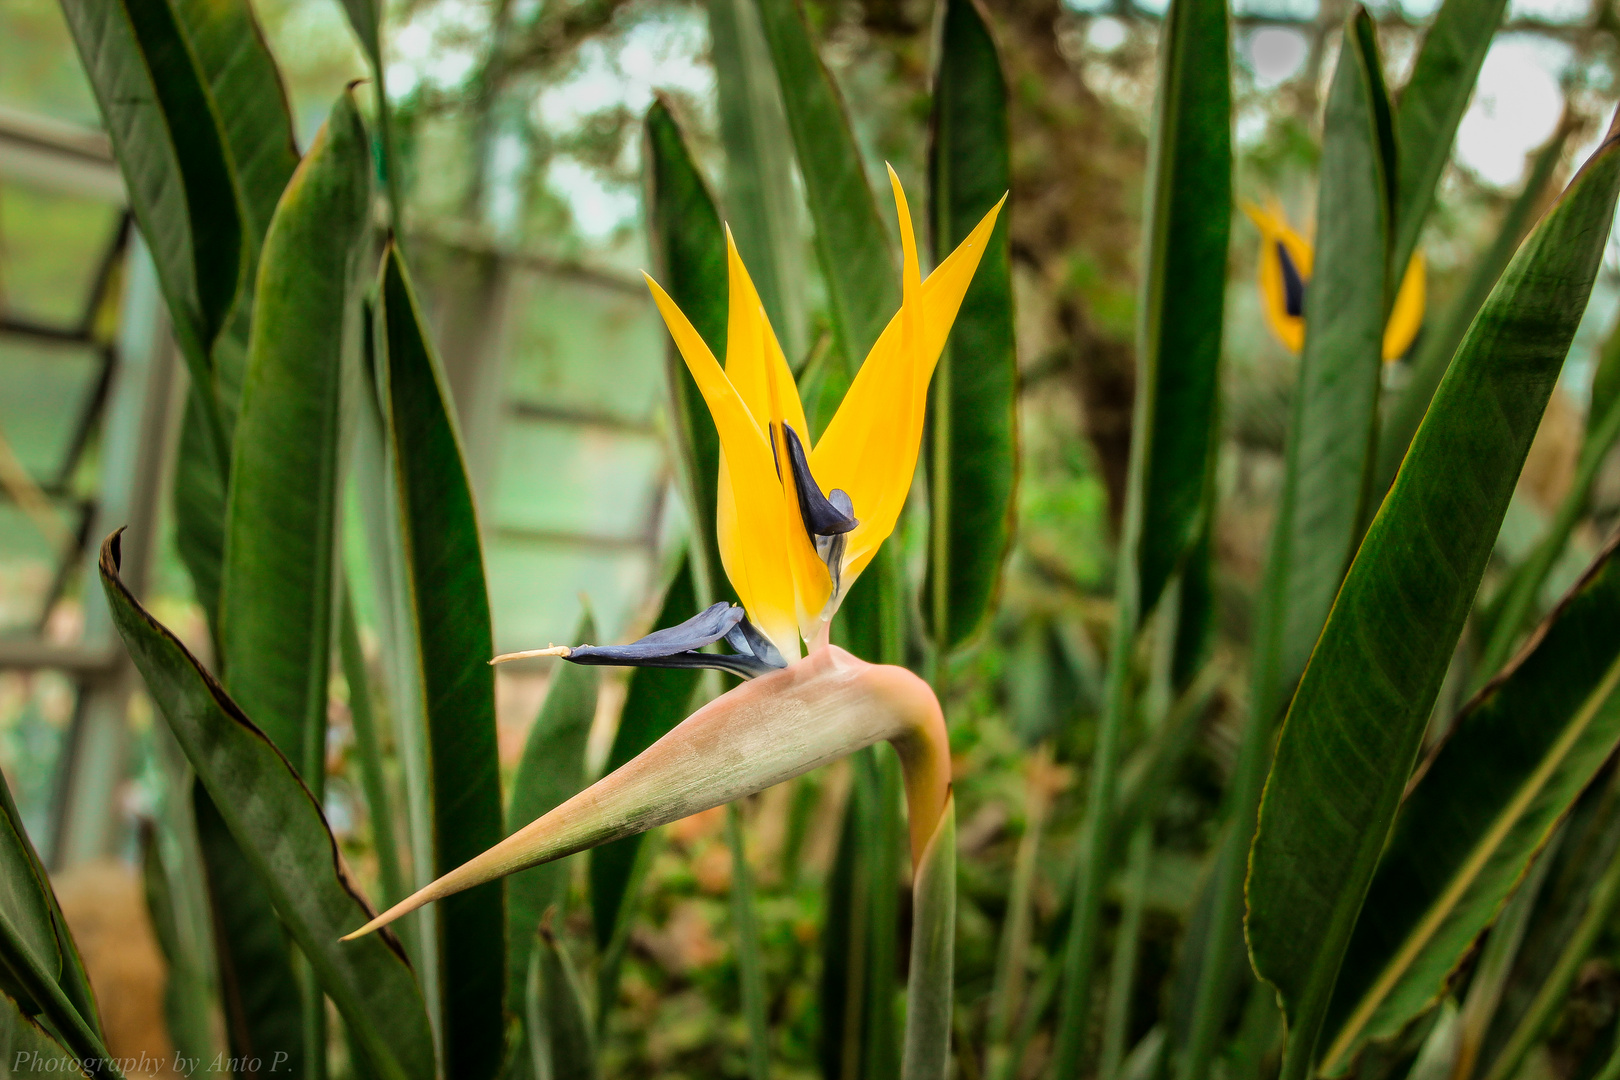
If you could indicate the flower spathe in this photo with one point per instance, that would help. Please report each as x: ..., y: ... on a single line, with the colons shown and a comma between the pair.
x: 1286, y: 260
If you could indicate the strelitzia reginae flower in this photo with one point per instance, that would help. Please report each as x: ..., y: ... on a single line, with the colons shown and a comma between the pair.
x: 1285, y: 273
x: 797, y: 523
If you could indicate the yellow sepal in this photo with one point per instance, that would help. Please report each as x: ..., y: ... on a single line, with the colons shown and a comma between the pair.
x: 1406, y: 318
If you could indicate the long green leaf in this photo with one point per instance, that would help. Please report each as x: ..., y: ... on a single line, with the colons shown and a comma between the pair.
x: 1328, y: 459
x: 280, y: 577
x: 260, y: 994
x: 689, y: 254
x: 448, y: 604
x: 1577, y: 857
x: 1178, y: 356
x: 931, y: 986
x: 41, y: 935
x: 26, y: 1049
x: 165, y: 133
x: 762, y: 203
x: 170, y: 873
x: 852, y: 241
x: 973, y: 414
x: 200, y: 470
x: 368, y: 748
x: 1432, y: 105
x: 557, y: 1021
x: 1484, y: 805
x: 250, y: 102
x: 1356, y: 723
x: 285, y: 837
x: 657, y: 700
x: 550, y: 772
x: 1442, y: 336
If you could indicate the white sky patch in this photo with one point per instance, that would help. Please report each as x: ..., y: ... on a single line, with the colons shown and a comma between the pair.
x: 1516, y: 107
x: 1563, y: 11
x: 1105, y: 34
x: 441, y: 45
x: 599, y: 209
x: 1275, y: 54
x: 662, y: 53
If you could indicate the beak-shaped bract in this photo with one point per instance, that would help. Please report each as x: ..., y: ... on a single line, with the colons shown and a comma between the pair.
x: 1285, y: 271
x: 789, y: 577
x: 756, y: 736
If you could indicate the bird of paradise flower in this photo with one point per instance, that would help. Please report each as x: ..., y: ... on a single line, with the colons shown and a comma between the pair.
x: 1286, y: 260
x: 796, y: 525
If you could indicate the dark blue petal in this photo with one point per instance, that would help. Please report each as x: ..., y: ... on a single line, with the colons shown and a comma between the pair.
x: 677, y: 646
x: 748, y: 641
x: 1293, y: 283
x: 822, y: 516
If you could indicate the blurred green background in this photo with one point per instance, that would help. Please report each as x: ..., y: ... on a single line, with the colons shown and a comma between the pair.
x: 519, y: 123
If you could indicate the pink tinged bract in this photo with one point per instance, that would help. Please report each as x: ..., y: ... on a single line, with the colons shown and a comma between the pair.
x: 771, y: 729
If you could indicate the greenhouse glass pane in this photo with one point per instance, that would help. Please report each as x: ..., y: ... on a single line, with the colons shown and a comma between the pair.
x: 536, y: 589
x: 47, y: 386
x: 51, y: 246
x: 581, y: 480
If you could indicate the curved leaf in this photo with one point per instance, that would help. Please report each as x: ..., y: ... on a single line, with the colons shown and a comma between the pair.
x: 1484, y: 804
x: 284, y: 835
x: 448, y: 604
x: 1356, y: 723
x: 26, y: 1049
x: 557, y: 1021
x: 279, y: 578
x: 973, y: 415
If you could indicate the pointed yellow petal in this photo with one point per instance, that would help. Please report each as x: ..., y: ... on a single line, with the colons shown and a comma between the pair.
x: 763, y: 732
x: 870, y: 448
x: 753, y: 355
x: 1407, y: 315
x: 751, y: 542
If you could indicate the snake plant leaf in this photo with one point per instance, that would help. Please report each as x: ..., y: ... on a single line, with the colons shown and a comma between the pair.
x: 1349, y: 740
x: 1441, y: 338
x: 23, y: 1042
x: 689, y: 252
x: 172, y: 876
x: 250, y: 103
x: 280, y: 572
x: 199, y: 504
x: 1484, y: 804
x: 557, y: 1023
x: 448, y: 602
x: 973, y: 415
x: 551, y: 771
x: 260, y: 993
x: 1184, y: 294
x: 931, y: 984
x: 657, y: 700
x: 1177, y: 360
x: 1326, y: 462
x: 852, y: 241
x: 1329, y: 453
x: 762, y: 203
x: 165, y: 133
x: 283, y: 834
x: 1432, y: 105
x: 29, y: 903
x: 746, y: 740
